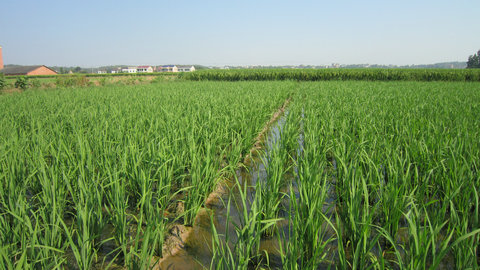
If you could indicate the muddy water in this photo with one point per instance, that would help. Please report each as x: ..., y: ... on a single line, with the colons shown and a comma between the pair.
x: 195, y: 251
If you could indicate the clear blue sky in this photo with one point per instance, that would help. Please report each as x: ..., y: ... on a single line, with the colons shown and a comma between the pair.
x: 230, y: 32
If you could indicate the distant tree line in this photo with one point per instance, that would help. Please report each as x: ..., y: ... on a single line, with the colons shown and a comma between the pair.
x: 65, y: 70
x: 474, y: 60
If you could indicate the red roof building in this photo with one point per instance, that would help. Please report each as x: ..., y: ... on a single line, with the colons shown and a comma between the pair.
x: 28, y: 70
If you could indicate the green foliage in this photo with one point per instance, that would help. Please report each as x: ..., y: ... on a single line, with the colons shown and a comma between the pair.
x: 356, y: 175
x: 2, y: 81
x: 386, y: 178
x: 334, y: 74
x: 399, y: 159
x: 35, y: 83
x: 72, y: 81
x: 474, y: 60
x: 88, y: 172
x: 22, y: 83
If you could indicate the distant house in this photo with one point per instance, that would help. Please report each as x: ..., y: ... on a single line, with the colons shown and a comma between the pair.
x: 102, y: 72
x: 186, y: 68
x: 167, y: 68
x: 28, y: 70
x: 143, y: 69
x: 129, y: 70
x: 114, y: 70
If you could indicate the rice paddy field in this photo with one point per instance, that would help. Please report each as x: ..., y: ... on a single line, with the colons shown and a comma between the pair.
x: 244, y: 175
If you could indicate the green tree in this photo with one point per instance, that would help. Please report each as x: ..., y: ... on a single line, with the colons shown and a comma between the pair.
x: 474, y: 60
x: 22, y: 83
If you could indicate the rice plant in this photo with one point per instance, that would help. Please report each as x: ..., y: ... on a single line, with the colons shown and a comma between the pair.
x: 88, y: 175
x: 364, y: 175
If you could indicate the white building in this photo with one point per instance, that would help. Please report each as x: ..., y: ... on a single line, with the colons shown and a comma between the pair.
x: 129, y: 70
x: 144, y: 69
x: 185, y: 68
x: 167, y: 68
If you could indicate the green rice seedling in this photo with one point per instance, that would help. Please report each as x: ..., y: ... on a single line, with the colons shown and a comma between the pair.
x: 270, y: 188
x: 465, y: 252
x: 14, y: 212
x: 277, y: 160
x: 32, y: 228
x: 387, y: 148
x: 306, y: 247
x: 223, y: 256
x: 52, y: 204
x: 117, y: 210
x: 465, y: 246
x: 249, y: 231
x: 203, y: 175
x: 355, y: 210
x: 143, y: 243
x: 405, y: 144
x: 115, y: 153
x: 357, y: 219
x: 309, y: 223
x: 392, y: 195
x: 306, y: 244
x: 84, y: 236
x: 422, y: 239
x: 253, y: 225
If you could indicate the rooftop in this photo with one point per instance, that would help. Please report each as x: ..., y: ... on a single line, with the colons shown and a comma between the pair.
x: 19, y: 70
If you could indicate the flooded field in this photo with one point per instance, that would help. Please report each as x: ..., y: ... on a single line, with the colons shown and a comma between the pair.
x: 242, y: 175
x: 321, y: 224
x: 227, y: 208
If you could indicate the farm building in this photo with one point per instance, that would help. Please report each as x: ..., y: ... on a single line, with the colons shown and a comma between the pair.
x: 129, y: 70
x: 167, y: 68
x: 174, y: 68
x: 28, y: 70
x: 115, y: 70
x: 186, y: 68
x: 144, y: 69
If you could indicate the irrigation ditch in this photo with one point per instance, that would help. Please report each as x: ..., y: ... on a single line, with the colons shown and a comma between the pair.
x: 226, y: 207
x: 178, y: 240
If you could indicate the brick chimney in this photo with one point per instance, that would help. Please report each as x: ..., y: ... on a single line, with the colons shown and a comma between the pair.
x: 1, y: 58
